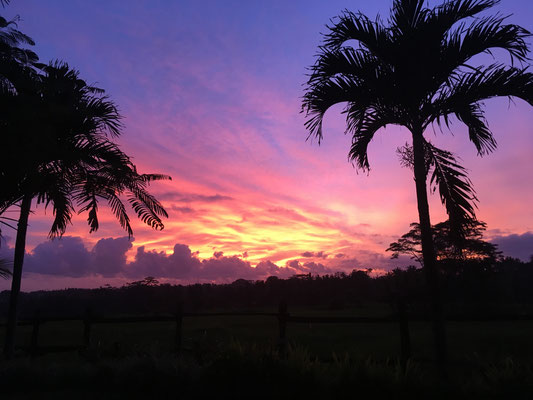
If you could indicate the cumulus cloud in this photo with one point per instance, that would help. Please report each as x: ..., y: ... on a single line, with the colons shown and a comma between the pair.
x: 181, y: 264
x: 518, y: 246
x: 109, y: 255
x: 309, y: 267
x: 69, y: 257
x: 311, y: 254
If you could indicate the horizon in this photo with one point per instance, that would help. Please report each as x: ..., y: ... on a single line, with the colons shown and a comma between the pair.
x: 210, y: 94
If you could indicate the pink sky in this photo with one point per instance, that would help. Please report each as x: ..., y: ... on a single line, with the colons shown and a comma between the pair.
x: 211, y: 95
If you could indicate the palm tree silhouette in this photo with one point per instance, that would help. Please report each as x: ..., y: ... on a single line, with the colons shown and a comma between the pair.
x: 415, y: 71
x: 13, y: 59
x: 58, y: 151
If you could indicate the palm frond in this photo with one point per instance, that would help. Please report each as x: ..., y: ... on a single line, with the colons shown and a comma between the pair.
x: 485, y: 83
x: 478, y: 130
x: 455, y: 188
x: 446, y: 15
x: 369, y: 34
x: 322, y: 96
x: 483, y: 36
x: 5, y: 271
x: 146, y: 214
x: 356, y: 63
x: 407, y: 15
x: 463, y: 99
x: 363, y: 124
x: 155, y: 177
x: 57, y: 193
x: 486, y: 34
x: 118, y: 209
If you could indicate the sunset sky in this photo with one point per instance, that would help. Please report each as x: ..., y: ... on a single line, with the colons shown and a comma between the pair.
x: 210, y: 92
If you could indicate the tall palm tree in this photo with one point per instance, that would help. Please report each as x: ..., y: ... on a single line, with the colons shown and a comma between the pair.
x: 414, y: 70
x: 58, y: 152
x: 13, y: 59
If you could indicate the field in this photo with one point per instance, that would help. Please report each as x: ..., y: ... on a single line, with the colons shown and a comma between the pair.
x: 487, y: 359
x: 489, y: 340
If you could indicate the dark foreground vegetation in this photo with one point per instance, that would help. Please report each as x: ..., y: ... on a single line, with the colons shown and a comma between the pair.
x: 490, y: 355
x: 253, y: 372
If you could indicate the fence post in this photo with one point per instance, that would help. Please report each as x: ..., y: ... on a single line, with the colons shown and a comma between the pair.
x: 283, y: 316
x: 405, y: 339
x: 35, y: 334
x: 87, y: 321
x: 178, y: 334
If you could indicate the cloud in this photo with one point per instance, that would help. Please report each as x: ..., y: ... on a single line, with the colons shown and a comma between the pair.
x: 69, y: 257
x: 192, y: 197
x: 181, y: 264
x: 182, y: 210
x: 518, y: 246
x: 64, y: 257
x: 268, y: 268
x: 309, y: 267
x: 108, y: 256
x: 311, y: 254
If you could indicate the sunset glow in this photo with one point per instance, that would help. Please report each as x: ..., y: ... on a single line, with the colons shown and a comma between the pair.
x: 211, y: 93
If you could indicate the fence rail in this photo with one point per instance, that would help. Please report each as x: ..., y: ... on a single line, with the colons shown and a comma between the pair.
x: 282, y: 315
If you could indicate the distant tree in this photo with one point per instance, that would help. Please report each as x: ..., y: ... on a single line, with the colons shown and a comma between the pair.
x: 149, y: 281
x: 415, y: 71
x: 472, y: 246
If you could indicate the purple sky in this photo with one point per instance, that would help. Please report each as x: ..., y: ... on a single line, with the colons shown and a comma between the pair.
x: 210, y: 92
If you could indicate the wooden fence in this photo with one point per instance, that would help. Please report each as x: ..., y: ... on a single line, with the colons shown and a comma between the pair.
x: 283, y: 317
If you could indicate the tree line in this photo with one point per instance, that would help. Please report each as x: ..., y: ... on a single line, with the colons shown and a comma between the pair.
x: 472, y: 288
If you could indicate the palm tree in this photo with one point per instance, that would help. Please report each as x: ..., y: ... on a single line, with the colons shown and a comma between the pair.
x: 416, y: 70
x: 58, y: 151
x: 13, y: 59
x: 13, y: 56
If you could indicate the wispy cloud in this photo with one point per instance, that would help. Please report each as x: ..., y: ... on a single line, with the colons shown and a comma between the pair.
x: 217, y: 107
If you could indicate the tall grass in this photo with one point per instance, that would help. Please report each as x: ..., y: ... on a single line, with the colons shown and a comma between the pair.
x: 252, y: 371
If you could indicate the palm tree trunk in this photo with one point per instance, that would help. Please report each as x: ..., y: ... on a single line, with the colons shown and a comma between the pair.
x: 428, y: 251
x: 20, y: 248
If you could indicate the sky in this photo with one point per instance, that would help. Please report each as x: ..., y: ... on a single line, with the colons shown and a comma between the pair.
x: 210, y: 92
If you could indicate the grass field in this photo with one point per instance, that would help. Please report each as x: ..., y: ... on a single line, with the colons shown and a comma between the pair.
x: 493, y: 340
x: 237, y: 357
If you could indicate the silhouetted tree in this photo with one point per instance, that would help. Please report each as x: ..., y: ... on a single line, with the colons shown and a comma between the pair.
x: 415, y: 71
x: 447, y: 247
x: 15, y: 59
x: 58, y: 151
x: 149, y: 281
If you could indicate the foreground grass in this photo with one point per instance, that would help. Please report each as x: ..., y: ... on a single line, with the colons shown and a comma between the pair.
x: 251, y: 371
x: 236, y: 357
x: 493, y: 341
